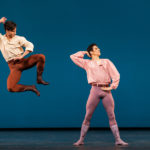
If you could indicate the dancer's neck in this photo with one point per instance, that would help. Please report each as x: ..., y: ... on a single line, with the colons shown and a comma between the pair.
x: 95, y: 58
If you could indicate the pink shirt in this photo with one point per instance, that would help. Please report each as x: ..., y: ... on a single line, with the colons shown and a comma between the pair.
x: 102, y: 73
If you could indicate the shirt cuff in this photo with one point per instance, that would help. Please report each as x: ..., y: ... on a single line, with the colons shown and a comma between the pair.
x: 113, y: 86
x: 80, y: 54
x: 29, y: 49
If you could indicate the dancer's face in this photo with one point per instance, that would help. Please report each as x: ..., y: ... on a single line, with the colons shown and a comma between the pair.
x: 95, y: 51
x: 11, y: 34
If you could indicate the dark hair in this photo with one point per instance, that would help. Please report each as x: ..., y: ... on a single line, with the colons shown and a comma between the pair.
x: 90, y: 48
x: 9, y: 25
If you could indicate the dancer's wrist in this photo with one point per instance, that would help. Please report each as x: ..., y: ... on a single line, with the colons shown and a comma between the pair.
x: 106, y: 88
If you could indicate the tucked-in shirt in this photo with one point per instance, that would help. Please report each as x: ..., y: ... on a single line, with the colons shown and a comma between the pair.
x: 101, y: 73
x: 13, y: 48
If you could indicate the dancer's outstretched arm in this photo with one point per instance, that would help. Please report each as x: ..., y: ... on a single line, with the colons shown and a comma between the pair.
x: 2, y: 20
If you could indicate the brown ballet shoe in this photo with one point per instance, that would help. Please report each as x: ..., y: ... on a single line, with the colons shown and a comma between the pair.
x: 42, y: 82
x: 34, y: 89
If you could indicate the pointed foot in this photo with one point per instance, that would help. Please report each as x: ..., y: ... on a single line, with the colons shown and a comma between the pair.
x: 35, y: 90
x: 42, y: 82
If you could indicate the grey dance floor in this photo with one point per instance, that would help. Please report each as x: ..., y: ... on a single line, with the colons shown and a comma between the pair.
x: 63, y: 140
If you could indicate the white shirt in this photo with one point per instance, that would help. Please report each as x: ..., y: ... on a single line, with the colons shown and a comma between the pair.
x: 13, y: 48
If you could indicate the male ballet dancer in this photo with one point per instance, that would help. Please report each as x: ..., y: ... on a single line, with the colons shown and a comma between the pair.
x: 12, y: 51
x: 100, y: 72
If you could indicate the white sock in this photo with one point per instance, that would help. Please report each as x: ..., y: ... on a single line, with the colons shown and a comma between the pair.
x: 84, y: 130
x: 115, y: 131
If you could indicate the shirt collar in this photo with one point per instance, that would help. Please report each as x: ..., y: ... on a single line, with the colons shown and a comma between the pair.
x: 11, y: 39
x: 99, y: 63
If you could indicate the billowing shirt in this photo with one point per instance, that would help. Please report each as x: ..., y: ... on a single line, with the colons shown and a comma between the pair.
x: 13, y: 48
x: 102, y: 73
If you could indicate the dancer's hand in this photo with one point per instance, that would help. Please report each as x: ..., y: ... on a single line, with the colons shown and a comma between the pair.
x: 18, y: 58
x: 106, y: 88
x: 3, y: 19
x: 86, y: 52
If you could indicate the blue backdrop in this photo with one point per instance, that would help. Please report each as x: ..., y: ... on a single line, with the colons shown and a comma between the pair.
x: 59, y: 28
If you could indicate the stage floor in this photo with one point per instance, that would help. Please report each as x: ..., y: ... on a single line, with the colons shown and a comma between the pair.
x: 63, y: 140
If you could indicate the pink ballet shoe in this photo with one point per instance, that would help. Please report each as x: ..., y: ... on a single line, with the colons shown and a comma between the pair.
x: 121, y: 142
x: 78, y: 143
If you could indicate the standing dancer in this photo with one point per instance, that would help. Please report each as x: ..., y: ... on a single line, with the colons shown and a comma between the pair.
x: 12, y: 51
x: 100, y: 72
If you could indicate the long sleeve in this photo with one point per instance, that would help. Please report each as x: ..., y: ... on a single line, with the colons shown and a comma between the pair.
x: 0, y: 41
x: 0, y: 36
x: 114, y: 74
x: 77, y: 58
x: 28, y: 45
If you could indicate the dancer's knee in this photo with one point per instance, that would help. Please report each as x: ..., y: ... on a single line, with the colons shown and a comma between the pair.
x: 111, y: 116
x: 112, y: 119
x: 10, y: 88
x: 86, y: 122
x: 42, y: 57
x: 87, y: 119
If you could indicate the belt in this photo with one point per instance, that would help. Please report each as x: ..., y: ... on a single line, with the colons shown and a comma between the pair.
x: 100, y: 85
x: 15, y: 61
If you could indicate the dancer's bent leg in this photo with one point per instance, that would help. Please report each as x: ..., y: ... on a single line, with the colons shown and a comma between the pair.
x: 39, y: 61
x: 13, y: 86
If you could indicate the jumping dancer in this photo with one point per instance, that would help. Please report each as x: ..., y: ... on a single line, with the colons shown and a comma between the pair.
x: 12, y: 51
